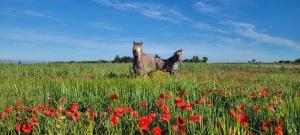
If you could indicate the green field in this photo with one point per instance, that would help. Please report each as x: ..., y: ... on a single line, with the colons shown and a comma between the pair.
x: 230, y: 98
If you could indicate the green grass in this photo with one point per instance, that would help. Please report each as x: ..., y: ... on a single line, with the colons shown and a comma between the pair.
x: 91, y: 85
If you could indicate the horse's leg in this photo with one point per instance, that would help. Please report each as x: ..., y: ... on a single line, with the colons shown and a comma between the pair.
x: 173, y: 72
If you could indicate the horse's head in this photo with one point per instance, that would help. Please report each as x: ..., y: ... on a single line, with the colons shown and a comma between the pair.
x: 137, y: 48
x: 178, y: 55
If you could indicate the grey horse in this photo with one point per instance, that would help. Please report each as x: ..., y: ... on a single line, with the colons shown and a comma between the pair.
x: 142, y: 63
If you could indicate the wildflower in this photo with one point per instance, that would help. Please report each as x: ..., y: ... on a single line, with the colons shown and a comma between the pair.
x: 160, y: 103
x: 179, y: 102
x: 195, y: 118
x: 264, y: 92
x: 27, y: 128
x: 114, y: 96
x: 121, y: 111
x: 180, y: 121
x: 199, y: 101
x: 278, y: 130
x: 74, y: 107
x: 75, y: 116
x: 175, y: 128
x: 38, y: 107
x: 265, y: 125
x: 18, y: 103
x: 152, y: 115
x: 182, y: 130
x: 165, y: 117
x: 143, y: 124
x: 165, y: 109
x: 156, y: 131
x: 18, y: 128
x: 143, y: 104
x: 234, y: 114
x: 134, y: 114
x: 113, y: 119
x: 252, y: 95
x: 244, y: 119
x: 90, y: 112
x: 8, y: 110
x: 255, y: 108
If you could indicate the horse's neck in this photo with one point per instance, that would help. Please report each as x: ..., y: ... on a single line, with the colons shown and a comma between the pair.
x: 139, y: 56
x: 172, y: 60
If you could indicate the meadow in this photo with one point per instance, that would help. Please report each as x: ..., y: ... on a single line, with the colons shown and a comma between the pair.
x: 227, y: 99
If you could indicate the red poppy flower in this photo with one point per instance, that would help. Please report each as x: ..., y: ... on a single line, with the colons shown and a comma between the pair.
x: 244, y: 119
x: 143, y: 104
x: 278, y: 129
x: 74, y: 107
x: 208, y: 103
x: 182, y: 130
x: 160, y: 103
x: 143, y: 124
x: 165, y: 117
x: 18, y: 103
x: 134, y: 114
x: 91, y: 113
x: 113, y: 119
x: 180, y: 121
x: 27, y: 128
x: 252, y: 95
x: 156, y: 131
x: 114, y: 96
x: 8, y: 110
x: 234, y: 115
x: 33, y: 121
x: 179, y: 102
x: 76, y: 116
x: 175, y: 128
x: 38, y: 107
x: 195, y: 118
x: 18, y: 128
x: 264, y: 92
x: 152, y: 115
x: 165, y: 108
x: 121, y: 111
x: 265, y: 125
x: 199, y: 101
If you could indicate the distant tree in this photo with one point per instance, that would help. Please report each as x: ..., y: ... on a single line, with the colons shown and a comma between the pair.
x: 117, y: 59
x: 195, y: 59
x: 19, y: 62
x: 297, y: 61
x: 186, y: 60
x: 124, y: 59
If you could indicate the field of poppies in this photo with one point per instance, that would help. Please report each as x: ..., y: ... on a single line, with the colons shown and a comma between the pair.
x: 227, y: 99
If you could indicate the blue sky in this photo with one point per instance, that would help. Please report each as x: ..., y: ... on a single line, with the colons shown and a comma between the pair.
x: 222, y: 30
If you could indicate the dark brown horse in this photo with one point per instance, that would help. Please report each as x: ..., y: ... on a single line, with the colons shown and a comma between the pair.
x: 171, y: 64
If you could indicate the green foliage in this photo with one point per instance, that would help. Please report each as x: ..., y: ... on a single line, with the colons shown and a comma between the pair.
x: 226, y: 85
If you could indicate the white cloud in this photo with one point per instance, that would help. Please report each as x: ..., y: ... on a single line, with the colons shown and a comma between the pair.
x: 104, y: 25
x: 203, y: 7
x: 15, y: 12
x: 207, y: 27
x: 154, y: 11
x: 249, y: 31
